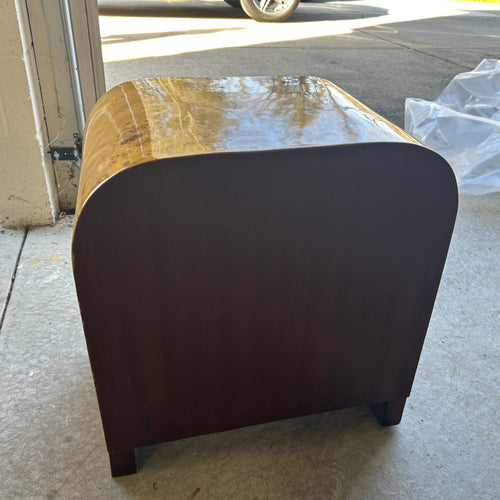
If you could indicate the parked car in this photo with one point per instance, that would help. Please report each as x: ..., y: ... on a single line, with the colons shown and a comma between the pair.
x: 266, y: 10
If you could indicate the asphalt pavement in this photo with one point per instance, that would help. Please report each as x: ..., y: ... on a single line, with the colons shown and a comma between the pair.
x: 379, y: 51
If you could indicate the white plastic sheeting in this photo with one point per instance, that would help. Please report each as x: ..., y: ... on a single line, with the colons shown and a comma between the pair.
x: 463, y: 125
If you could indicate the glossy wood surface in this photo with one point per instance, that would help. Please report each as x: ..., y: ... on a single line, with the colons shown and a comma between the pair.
x: 274, y: 274
x: 157, y: 118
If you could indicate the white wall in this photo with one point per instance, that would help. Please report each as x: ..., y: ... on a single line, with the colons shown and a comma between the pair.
x: 27, y: 187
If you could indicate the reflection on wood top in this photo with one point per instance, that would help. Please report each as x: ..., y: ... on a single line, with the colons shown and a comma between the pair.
x: 158, y: 118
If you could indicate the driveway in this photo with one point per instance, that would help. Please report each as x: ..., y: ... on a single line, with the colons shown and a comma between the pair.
x: 380, y: 51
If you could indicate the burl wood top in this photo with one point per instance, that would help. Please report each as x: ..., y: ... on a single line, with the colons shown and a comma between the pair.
x: 158, y: 118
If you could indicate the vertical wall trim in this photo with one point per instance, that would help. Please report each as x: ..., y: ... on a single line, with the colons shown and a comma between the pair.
x: 36, y: 100
x: 76, y: 81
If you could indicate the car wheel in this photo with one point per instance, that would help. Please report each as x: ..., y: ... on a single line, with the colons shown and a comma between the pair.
x: 234, y: 3
x: 270, y: 11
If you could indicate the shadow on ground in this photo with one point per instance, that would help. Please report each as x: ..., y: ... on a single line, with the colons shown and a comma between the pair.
x: 317, y: 10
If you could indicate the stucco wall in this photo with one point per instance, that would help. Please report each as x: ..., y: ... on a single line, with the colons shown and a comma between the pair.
x: 27, y: 187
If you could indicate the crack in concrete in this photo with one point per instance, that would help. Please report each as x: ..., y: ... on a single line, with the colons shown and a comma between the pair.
x: 13, y: 279
x: 409, y: 47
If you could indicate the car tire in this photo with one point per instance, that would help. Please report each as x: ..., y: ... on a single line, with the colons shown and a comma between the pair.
x: 275, y: 10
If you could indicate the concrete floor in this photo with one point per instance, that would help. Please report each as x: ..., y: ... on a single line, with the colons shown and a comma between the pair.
x: 447, y: 445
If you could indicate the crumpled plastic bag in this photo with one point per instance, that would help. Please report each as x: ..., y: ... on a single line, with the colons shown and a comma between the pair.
x: 463, y: 126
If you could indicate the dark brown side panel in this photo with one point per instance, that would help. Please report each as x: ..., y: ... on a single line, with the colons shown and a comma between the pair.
x: 226, y: 290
